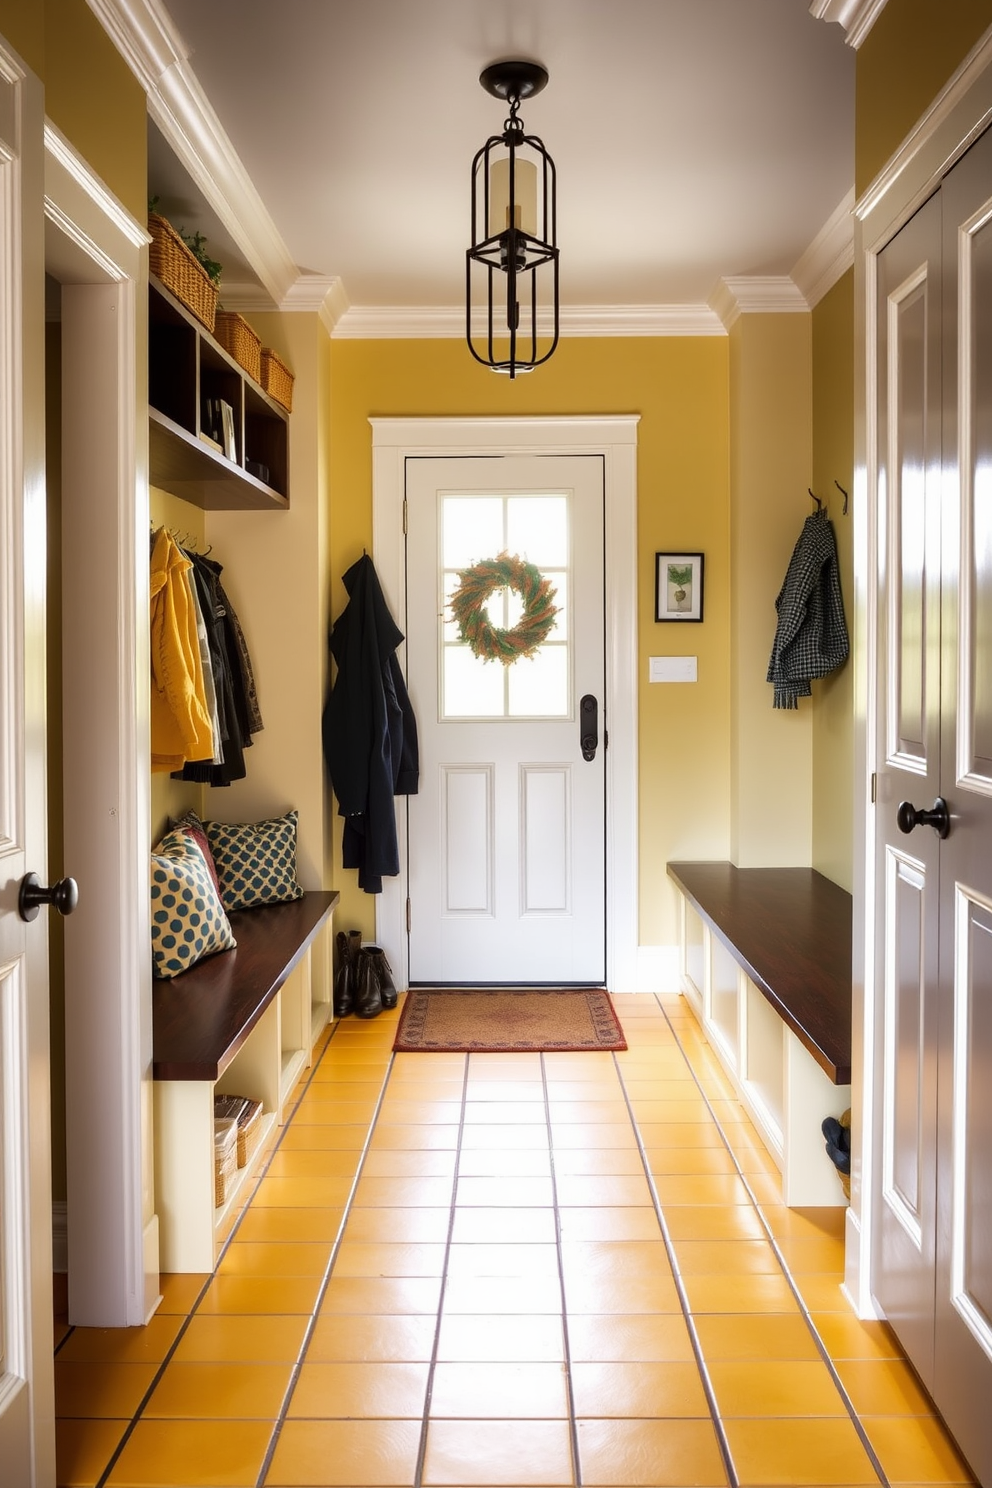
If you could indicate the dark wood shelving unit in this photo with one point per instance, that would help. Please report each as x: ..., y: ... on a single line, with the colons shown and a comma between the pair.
x: 186, y: 367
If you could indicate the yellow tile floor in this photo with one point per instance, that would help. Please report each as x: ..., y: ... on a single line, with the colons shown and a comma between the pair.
x: 507, y: 1270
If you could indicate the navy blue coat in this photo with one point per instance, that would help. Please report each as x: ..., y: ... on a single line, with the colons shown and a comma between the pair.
x: 369, y: 731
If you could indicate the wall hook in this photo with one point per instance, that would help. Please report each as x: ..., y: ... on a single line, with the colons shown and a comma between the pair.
x: 843, y: 493
x: 819, y: 504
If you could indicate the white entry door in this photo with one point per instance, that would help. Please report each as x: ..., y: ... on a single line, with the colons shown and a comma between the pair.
x: 507, y: 834
x: 26, y: 1391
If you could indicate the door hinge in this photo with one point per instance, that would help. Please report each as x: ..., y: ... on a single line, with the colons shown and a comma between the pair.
x: 409, y: 917
x: 874, y: 787
x: 405, y: 510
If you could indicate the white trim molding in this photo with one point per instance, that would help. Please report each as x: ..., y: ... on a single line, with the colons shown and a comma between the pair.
x: 151, y: 45
x: 321, y: 295
x: 615, y: 438
x: 856, y: 16
x: 756, y: 294
x: 436, y: 322
x: 830, y: 254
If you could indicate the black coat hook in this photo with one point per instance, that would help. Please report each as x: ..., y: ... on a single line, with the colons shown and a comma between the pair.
x: 819, y: 504
x: 844, y: 494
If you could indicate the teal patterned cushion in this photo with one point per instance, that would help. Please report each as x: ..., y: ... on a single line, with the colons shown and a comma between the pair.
x: 188, y: 919
x: 255, y: 861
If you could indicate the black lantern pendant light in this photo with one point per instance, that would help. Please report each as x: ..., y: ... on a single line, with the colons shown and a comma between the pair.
x: 514, y: 234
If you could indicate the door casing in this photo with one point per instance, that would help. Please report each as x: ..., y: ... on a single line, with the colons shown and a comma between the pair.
x: 615, y: 439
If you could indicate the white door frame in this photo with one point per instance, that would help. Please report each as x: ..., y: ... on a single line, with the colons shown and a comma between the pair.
x: 953, y: 122
x: 98, y: 251
x: 615, y: 439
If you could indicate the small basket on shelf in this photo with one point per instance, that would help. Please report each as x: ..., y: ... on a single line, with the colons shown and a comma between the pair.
x: 179, y: 270
x: 225, y: 1156
x: 237, y: 337
x: 277, y: 380
x: 248, y: 1115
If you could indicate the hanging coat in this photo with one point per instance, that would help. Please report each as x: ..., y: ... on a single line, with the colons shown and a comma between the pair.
x: 369, y: 731
x: 811, y: 636
x: 180, y: 715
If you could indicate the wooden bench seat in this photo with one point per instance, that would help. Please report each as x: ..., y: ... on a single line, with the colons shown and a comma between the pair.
x: 243, y: 1022
x: 766, y: 966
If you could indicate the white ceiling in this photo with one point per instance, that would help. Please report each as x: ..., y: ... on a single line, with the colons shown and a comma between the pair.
x: 694, y: 139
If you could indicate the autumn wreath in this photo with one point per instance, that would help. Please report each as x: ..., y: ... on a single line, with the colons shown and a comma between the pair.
x: 479, y: 583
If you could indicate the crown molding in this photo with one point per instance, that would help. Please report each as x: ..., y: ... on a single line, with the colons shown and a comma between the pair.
x: 58, y: 148
x: 856, y: 16
x: 830, y: 254
x: 756, y: 294
x: 435, y: 322
x: 149, y: 42
x: 311, y: 293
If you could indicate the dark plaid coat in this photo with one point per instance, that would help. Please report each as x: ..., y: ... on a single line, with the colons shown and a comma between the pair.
x: 811, y: 636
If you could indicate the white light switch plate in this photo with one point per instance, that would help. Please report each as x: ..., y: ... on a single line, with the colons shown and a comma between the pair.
x: 672, y: 669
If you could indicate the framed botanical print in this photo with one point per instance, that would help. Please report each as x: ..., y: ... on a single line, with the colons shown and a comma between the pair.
x: 678, y: 586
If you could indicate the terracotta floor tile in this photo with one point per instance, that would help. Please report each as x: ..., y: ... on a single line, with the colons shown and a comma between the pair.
x: 225, y: 1338
x: 649, y: 1454
x: 388, y: 1258
x: 638, y: 1390
x: 430, y: 1164
x: 420, y: 1113
x: 200, y: 1454
x: 292, y: 1225
x: 495, y: 1193
x: 345, y: 1454
x: 302, y: 1193
x: 147, y: 1345
x: 848, y: 1337
x: 529, y: 1226
x: 261, y: 1294
x: 916, y: 1449
x: 697, y: 1188
x: 726, y: 1258
x: 360, y: 1391
x: 602, y: 1261
x: 323, y: 1105
x: 82, y: 1450
x: 823, y: 1293
x: 713, y: 1222
x: 782, y: 1336
x: 483, y: 1339
x: 638, y: 1222
x: 664, y: 1134
x: 884, y: 1387
x: 275, y: 1258
x: 517, y: 1163
x: 813, y: 1223
x: 804, y: 1254
x: 424, y: 1226
x: 527, y: 1454
x: 588, y: 1110
x: 762, y: 1387
x: 99, y: 1389
x: 219, y: 1392
x: 570, y: 1137
x: 518, y: 1295
x: 799, y: 1453
x: 324, y: 1138
x: 483, y: 1088
x: 391, y: 1136
x: 314, y: 1163
x: 403, y: 1193
x: 505, y: 1112
x: 344, y: 1338
x: 509, y: 1391
x: 533, y: 1137
x: 380, y: 1295
x: 603, y: 1191
x: 612, y: 1161
x: 624, y: 1294
x: 537, y: 1262
x: 764, y: 1293
x: 628, y: 1338
x: 180, y: 1291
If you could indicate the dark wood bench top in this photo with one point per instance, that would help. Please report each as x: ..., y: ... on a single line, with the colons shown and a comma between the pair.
x: 790, y: 929
x: 201, y: 1018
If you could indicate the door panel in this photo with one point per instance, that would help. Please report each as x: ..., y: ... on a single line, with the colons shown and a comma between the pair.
x: 507, y: 833
x: 908, y: 393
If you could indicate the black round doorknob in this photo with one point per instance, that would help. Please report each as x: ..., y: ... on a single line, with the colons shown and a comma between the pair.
x: 63, y: 896
x: 938, y: 817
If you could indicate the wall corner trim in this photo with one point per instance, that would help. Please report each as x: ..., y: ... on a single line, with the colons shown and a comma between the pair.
x: 830, y: 254
x: 856, y: 16
x: 756, y: 294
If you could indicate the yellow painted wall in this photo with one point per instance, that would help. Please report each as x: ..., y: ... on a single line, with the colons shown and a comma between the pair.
x: 770, y: 433
x: 90, y: 92
x: 912, y: 50
x: 833, y: 697
x: 679, y: 387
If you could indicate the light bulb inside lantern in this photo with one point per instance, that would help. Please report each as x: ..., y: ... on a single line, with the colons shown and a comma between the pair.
x: 525, y: 196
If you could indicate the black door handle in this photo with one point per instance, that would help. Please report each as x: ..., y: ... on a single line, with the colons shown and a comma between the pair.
x: 589, y: 726
x: 938, y: 817
x: 63, y: 896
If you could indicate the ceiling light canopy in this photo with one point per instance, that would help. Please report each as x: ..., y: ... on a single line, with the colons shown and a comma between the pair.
x: 512, y: 265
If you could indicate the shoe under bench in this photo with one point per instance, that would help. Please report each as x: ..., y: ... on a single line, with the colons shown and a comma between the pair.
x: 765, y: 964
x: 242, y: 1022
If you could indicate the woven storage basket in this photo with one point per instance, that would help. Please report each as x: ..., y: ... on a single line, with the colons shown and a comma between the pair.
x: 236, y: 336
x: 248, y: 1114
x: 277, y: 380
x: 173, y: 263
x: 225, y: 1156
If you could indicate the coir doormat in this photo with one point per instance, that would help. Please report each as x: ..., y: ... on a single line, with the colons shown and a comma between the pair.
x: 503, y: 1021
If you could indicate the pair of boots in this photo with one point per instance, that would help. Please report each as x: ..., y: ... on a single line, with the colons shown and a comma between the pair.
x: 364, y: 983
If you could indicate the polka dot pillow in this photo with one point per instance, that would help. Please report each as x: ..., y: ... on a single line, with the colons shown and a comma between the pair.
x: 188, y: 919
x: 255, y: 861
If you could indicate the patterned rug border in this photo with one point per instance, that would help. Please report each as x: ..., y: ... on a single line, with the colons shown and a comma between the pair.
x: 411, y: 1031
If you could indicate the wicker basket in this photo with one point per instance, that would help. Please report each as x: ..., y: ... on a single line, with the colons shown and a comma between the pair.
x: 236, y: 336
x: 248, y: 1114
x: 173, y: 263
x: 277, y: 380
x: 225, y: 1156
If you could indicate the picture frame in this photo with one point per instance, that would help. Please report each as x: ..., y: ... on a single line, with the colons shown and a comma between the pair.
x: 678, y: 586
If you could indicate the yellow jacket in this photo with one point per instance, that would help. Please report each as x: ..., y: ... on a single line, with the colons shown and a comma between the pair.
x: 180, y: 718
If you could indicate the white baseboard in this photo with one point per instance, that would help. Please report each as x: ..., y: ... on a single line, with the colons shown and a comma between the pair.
x: 657, y: 969
x: 857, y: 1287
x: 60, y: 1236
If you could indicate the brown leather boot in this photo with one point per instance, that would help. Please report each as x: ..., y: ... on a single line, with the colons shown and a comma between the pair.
x: 344, y: 978
x: 368, y: 1002
x: 387, y: 989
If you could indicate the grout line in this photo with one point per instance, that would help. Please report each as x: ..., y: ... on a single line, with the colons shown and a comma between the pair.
x: 690, y: 1321
x: 572, y: 1423
x: 328, y: 1271
x: 793, y: 1287
x: 170, y: 1354
x: 418, y: 1475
